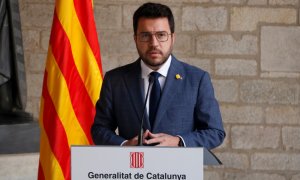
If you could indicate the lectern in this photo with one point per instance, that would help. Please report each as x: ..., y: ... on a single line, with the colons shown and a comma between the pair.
x: 141, y: 162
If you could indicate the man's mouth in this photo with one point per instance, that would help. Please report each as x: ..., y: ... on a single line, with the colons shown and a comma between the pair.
x: 154, y: 52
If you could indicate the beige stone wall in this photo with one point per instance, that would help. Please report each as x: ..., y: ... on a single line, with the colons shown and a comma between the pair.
x: 251, y: 49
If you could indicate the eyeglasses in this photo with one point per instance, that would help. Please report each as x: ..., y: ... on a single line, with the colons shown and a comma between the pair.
x: 161, y: 36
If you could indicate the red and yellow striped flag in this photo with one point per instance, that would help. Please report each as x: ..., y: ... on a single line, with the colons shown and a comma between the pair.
x: 72, y: 82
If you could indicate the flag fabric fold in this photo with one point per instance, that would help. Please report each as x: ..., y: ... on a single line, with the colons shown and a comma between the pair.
x: 72, y: 82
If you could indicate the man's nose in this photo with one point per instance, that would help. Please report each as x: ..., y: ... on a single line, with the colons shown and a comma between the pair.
x: 153, y: 40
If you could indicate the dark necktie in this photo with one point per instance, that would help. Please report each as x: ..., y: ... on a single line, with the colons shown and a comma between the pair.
x: 154, y: 97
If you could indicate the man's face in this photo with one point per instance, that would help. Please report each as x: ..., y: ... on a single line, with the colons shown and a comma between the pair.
x: 154, y: 52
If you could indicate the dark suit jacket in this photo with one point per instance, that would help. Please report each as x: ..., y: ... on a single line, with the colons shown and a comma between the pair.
x: 187, y: 108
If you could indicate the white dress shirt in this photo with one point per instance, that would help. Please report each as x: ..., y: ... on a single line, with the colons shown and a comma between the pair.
x: 163, y: 71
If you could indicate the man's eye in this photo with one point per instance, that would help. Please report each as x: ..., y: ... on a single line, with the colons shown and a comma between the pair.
x: 145, y: 35
x: 161, y: 35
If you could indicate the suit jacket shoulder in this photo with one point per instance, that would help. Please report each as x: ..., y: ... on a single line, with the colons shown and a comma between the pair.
x: 192, y: 73
x: 133, y: 67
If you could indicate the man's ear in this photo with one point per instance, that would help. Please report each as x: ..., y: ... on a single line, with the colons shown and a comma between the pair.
x: 173, y: 38
x: 135, y: 38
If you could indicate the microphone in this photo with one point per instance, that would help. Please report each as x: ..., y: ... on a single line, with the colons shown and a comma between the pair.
x: 140, y: 136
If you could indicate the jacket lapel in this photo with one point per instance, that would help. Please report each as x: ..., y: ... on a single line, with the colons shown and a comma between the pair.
x: 170, y: 90
x: 134, y: 85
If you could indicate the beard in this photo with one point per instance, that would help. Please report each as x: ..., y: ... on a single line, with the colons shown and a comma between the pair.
x: 155, y: 63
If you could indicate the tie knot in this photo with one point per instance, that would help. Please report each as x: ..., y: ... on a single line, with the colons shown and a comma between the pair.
x: 155, y: 75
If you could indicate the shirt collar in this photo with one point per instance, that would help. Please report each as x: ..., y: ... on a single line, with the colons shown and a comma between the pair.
x: 163, y: 70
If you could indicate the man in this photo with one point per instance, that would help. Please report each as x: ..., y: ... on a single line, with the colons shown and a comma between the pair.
x: 187, y: 113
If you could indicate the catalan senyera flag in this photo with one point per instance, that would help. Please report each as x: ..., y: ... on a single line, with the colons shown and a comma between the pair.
x: 72, y: 82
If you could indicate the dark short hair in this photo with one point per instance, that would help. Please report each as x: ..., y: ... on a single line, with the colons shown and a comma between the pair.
x: 153, y: 10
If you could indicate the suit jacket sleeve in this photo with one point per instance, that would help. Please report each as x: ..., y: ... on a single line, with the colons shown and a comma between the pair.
x: 209, y: 130
x: 103, y: 129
